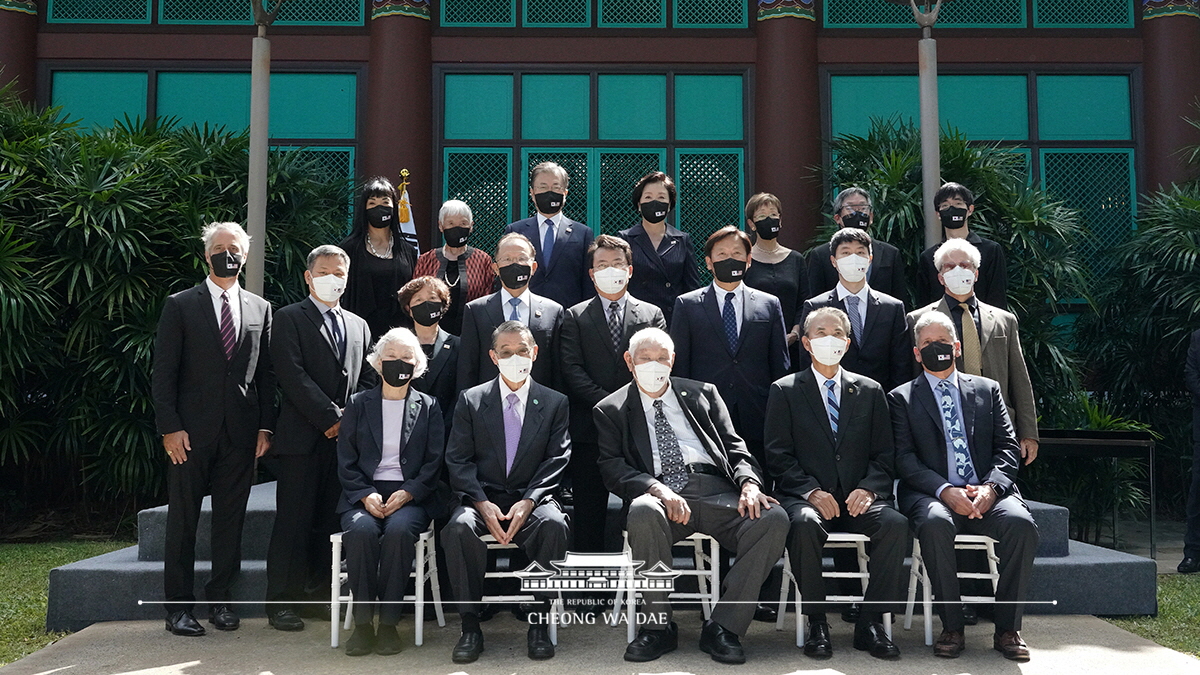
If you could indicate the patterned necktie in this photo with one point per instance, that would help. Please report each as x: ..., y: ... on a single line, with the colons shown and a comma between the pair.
x: 972, y: 351
x: 548, y: 242
x: 731, y: 323
x: 856, y: 322
x: 964, y: 469
x: 516, y: 304
x: 669, y: 455
x: 614, y: 324
x: 228, y: 334
x: 832, y: 404
x: 512, y: 431
x: 335, y: 331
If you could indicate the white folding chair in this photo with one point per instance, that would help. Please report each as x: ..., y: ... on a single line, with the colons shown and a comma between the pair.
x: 426, y: 570
x: 708, y: 581
x: 962, y: 542
x: 556, y: 605
x: 858, y: 542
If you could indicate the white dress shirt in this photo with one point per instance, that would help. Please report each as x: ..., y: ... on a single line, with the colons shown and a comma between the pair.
x: 235, y: 303
x: 862, y: 296
x: 523, y: 310
x: 689, y: 443
x: 522, y: 393
x: 739, y: 302
x: 393, y: 439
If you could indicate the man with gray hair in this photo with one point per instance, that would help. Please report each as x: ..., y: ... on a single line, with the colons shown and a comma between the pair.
x: 319, y: 350
x: 853, y: 208
x: 669, y: 450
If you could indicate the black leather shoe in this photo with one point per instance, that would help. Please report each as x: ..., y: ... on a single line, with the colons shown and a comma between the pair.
x: 1189, y: 565
x: 183, y: 623
x: 317, y: 611
x: 538, y: 641
x: 850, y: 614
x: 387, y: 641
x: 818, y: 645
x: 651, y: 644
x: 720, y: 643
x: 223, y: 618
x: 469, y: 647
x: 970, y: 616
x: 872, y: 638
x: 362, y: 642
x: 765, y: 613
x: 285, y: 619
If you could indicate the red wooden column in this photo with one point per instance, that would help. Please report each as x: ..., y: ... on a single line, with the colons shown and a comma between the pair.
x: 1171, y: 78
x: 18, y: 46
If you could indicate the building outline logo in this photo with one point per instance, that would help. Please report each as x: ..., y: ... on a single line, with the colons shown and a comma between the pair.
x: 597, y: 572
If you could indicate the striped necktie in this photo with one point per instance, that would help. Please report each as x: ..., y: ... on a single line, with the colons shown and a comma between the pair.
x: 228, y: 334
x: 832, y: 404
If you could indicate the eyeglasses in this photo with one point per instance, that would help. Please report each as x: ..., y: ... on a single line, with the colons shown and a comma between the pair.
x: 861, y: 208
x: 620, y: 266
x: 966, y: 265
x: 523, y: 260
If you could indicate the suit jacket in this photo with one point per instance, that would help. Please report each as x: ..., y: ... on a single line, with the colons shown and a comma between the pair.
x: 885, y: 352
x: 802, y: 452
x: 921, y: 441
x: 1002, y: 361
x: 565, y: 280
x: 743, y: 375
x: 886, y: 275
x: 315, y: 384
x: 662, y: 275
x: 475, y: 454
x: 441, y: 378
x: 195, y: 389
x: 992, y: 285
x: 592, y: 367
x: 627, y: 456
x: 360, y: 446
x: 482, y: 316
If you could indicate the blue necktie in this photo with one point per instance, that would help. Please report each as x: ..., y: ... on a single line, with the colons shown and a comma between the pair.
x: 516, y: 304
x: 964, y: 469
x: 832, y: 405
x: 856, y: 322
x: 548, y: 242
x: 731, y: 323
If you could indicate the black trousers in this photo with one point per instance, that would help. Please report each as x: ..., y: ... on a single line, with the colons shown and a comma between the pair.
x: 225, y: 469
x: 1191, y: 536
x: 306, y: 499
x: 591, y: 498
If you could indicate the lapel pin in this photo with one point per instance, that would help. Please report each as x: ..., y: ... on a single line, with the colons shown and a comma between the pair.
x: 538, y: 313
x: 446, y: 346
x: 568, y: 230
x: 535, y: 401
x: 683, y: 393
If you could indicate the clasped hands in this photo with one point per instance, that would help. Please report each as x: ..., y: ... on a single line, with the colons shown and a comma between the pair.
x: 971, y: 501
x: 375, y: 505
x: 492, y: 515
x: 827, y: 505
x: 751, y: 502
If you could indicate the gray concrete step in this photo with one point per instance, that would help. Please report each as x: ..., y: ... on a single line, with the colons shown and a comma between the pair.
x: 256, y: 533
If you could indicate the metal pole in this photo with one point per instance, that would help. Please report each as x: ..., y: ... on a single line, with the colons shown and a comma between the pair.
x: 256, y: 191
x: 931, y: 156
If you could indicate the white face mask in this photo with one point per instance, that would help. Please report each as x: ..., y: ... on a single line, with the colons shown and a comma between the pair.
x: 853, y: 268
x: 828, y: 350
x: 959, y: 281
x: 515, y: 368
x: 652, y: 375
x: 329, y: 287
x: 611, y: 280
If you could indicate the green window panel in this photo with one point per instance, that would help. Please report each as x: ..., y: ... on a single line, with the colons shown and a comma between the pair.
x: 577, y: 162
x: 984, y: 107
x: 557, y: 14
x: 481, y: 177
x: 712, y: 193
x: 238, y: 12
x: 619, y: 170
x: 710, y: 14
x: 97, y: 99
x: 855, y: 99
x: 957, y: 14
x: 708, y: 107
x: 313, y: 105
x: 215, y: 99
x: 479, y: 107
x: 1084, y: 108
x: 501, y: 13
x: 556, y: 107
x: 633, y: 13
x: 633, y: 107
x: 329, y: 165
x: 91, y: 11
x: 1083, y: 14
x: 1102, y: 185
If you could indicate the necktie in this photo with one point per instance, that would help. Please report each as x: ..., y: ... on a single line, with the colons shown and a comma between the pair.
x: 335, y: 331
x: 516, y: 304
x: 832, y: 405
x: 731, y: 323
x: 228, y: 334
x: 856, y: 321
x: 548, y: 242
x: 972, y: 352
x: 669, y: 455
x: 512, y: 431
x: 963, y: 472
x: 614, y: 324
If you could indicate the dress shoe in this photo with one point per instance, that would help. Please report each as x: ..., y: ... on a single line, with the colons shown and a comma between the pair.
x: 970, y: 615
x: 183, y: 623
x: 387, y: 641
x: 285, y: 619
x: 223, y: 618
x: 362, y: 641
x: 1189, y: 565
x: 818, y: 645
x: 872, y: 637
x: 469, y: 647
x: 538, y: 641
x: 765, y: 613
x: 651, y: 644
x: 950, y: 644
x: 1010, y: 644
x: 720, y: 643
x: 313, y: 610
x: 850, y: 614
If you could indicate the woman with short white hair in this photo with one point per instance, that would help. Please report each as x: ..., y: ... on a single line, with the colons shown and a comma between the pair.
x: 465, y: 269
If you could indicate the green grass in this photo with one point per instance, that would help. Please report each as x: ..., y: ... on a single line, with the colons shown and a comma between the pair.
x: 24, y: 581
x: 1177, y: 625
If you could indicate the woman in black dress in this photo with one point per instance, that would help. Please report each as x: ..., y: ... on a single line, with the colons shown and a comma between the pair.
x: 777, y: 270
x: 664, y: 259
x: 381, y: 259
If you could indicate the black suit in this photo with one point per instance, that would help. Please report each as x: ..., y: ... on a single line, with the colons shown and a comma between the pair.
x: 221, y: 404
x: 480, y: 319
x: 992, y: 285
x: 922, y: 463
x: 565, y: 279
x: 316, y: 385
x: 592, y: 368
x: 441, y: 378
x: 665, y: 273
x: 884, y: 353
x: 803, y: 454
x: 887, y: 273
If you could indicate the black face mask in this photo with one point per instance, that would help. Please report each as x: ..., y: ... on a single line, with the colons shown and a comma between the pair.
x: 456, y: 236
x: 226, y: 264
x: 548, y: 202
x: 856, y: 219
x: 953, y: 217
x: 767, y: 228
x: 654, y: 212
x: 397, y: 373
x: 427, y: 313
x: 380, y: 216
x: 729, y: 270
x: 937, y: 356
x: 515, y: 276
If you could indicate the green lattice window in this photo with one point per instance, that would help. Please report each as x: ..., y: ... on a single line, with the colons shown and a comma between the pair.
x: 1102, y: 185
x: 577, y: 162
x: 711, y: 193
x: 619, y: 170
x: 479, y: 13
x: 1083, y: 14
x: 633, y: 13
x: 91, y: 11
x: 481, y: 177
x: 710, y: 13
x: 238, y: 12
x: 957, y: 14
x: 329, y: 164
x: 557, y: 13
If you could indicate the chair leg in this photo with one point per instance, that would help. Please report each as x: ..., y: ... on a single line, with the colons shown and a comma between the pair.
x: 913, y: 574
x: 419, y: 608
x: 335, y: 589
x: 993, y: 569
x: 887, y: 624
x: 435, y: 585
x: 861, y: 549
x: 701, y: 580
x: 556, y: 608
x: 715, y: 589
x: 927, y: 601
x: 619, y: 597
x: 783, y: 595
x: 631, y: 616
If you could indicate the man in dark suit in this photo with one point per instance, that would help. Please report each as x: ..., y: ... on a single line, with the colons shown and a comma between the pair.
x: 956, y: 455
x: 319, y: 351
x: 879, y: 341
x: 955, y: 205
x: 668, y: 449
x: 853, y: 208
x: 829, y: 451
x: 506, y: 455
x: 214, y: 404
x: 595, y: 335
x: 515, y: 264
x: 561, y: 243
x: 1191, y: 536
x: 732, y: 336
